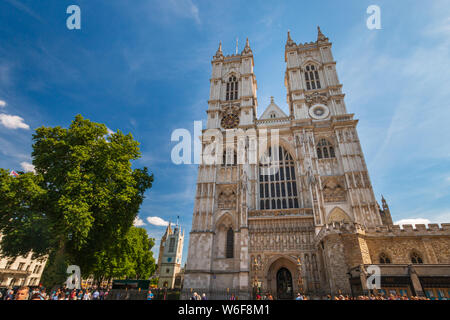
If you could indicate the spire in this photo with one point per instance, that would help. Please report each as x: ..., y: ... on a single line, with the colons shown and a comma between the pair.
x: 320, y: 35
x: 289, y: 41
x: 385, y: 212
x: 247, y: 49
x: 272, y: 100
x: 219, y: 52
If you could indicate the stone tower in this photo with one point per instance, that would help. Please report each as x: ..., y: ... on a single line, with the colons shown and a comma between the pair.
x: 326, y: 136
x: 218, y: 245
x: 170, y: 258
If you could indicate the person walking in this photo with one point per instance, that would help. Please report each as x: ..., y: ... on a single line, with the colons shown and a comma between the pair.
x: 22, y: 293
x: 96, y: 295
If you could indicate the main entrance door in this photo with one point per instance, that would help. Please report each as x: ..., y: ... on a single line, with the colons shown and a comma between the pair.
x: 284, y: 284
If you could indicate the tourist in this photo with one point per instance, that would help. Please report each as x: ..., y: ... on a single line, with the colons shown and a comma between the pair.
x: 22, y: 293
x: 96, y: 295
x: 204, y: 296
x: 87, y: 295
x: 299, y: 297
x: 150, y: 295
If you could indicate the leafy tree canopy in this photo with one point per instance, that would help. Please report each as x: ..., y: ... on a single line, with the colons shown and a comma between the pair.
x: 83, y: 198
x: 131, y: 258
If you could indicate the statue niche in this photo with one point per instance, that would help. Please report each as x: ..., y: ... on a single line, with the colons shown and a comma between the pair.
x: 333, y: 189
x: 227, y: 198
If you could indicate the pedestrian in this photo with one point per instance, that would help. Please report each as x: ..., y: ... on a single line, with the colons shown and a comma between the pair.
x: 299, y: 297
x: 96, y: 295
x: 204, y: 297
x: 87, y: 295
x: 22, y: 293
x: 150, y: 295
x: 9, y: 294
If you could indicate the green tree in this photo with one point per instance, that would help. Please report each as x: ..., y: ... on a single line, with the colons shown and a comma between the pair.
x: 132, y: 258
x: 82, y: 200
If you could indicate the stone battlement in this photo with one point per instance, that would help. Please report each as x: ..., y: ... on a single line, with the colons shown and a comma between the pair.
x: 394, y: 230
x: 432, y: 228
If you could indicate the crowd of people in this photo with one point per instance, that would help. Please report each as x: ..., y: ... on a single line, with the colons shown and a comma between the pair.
x: 40, y: 293
x: 379, y: 296
x: 26, y: 293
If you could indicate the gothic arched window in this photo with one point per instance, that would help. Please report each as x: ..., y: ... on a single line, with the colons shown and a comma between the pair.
x: 325, y: 149
x: 232, y: 89
x: 384, y: 259
x: 312, y: 77
x: 416, y: 258
x: 230, y: 243
x: 278, y: 185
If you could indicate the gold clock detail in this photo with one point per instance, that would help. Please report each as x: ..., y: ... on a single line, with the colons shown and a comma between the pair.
x: 230, y: 121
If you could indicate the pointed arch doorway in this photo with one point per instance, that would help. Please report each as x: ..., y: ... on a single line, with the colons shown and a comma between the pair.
x: 285, y: 289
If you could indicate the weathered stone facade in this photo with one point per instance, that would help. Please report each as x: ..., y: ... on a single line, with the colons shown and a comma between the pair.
x: 303, y: 220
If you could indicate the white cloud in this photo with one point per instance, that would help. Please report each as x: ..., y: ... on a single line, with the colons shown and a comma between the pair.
x: 2, y: 103
x: 184, y: 8
x: 13, y: 122
x: 110, y: 132
x: 413, y: 221
x: 138, y: 222
x: 27, y: 167
x: 157, y: 221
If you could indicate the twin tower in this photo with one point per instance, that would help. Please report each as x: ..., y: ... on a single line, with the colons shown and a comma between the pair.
x: 257, y: 230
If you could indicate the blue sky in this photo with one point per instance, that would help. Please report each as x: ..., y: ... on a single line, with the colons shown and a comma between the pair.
x: 144, y: 67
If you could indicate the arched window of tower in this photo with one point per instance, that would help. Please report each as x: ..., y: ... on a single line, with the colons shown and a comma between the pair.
x: 312, y: 77
x: 230, y: 243
x: 232, y: 89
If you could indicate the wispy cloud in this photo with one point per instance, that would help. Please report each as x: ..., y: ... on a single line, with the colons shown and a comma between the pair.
x: 413, y: 221
x: 110, y: 132
x: 157, y: 221
x: 13, y: 122
x: 20, y: 6
x: 183, y: 8
x: 2, y: 103
x: 27, y: 167
x: 138, y: 222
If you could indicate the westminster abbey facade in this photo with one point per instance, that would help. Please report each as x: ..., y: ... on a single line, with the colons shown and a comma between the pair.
x: 308, y: 221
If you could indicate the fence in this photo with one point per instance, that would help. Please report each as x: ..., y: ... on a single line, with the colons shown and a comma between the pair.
x: 216, y: 294
x: 134, y: 294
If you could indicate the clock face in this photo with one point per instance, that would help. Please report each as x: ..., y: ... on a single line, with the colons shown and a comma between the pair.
x: 319, y: 112
x: 230, y: 121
